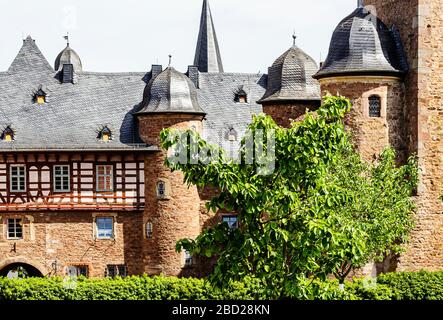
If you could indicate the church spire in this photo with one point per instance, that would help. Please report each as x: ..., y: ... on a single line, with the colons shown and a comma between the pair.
x: 207, y: 55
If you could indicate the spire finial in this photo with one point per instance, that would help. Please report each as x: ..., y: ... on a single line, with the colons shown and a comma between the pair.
x: 170, y: 60
x: 360, y: 4
x: 207, y: 54
x: 294, y: 37
x: 67, y: 39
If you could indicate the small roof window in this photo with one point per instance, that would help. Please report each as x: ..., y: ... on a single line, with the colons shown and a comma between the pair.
x: 7, y: 134
x: 40, y: 96
x: 241, y: 96
x: 105, y: 134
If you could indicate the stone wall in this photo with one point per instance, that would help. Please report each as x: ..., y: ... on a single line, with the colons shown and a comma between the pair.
x: 175, y: 216
x: 68, y: 239
x: 403, y: 14
x: 420, y: 25
x: 284, y: 113
x: 372, y: 135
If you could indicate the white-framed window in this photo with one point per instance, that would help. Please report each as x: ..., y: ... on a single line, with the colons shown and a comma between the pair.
x: 62, y: 178
x: 105, y: 178
x: 232, y: 221
x: 188, y: 259
x: 77, y: 271
x: 15, y: 228
x: 104, y: 227
x: 18, y: 178
x: 149, y: 230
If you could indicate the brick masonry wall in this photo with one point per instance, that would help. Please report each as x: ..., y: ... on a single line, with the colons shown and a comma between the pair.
x: 284, y: 113
x: 420, y: 25
x: 177, y: 216
x: 68, y: 238
x: 372, y: 135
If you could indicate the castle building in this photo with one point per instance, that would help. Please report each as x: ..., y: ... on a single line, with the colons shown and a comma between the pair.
x: 83, y: 186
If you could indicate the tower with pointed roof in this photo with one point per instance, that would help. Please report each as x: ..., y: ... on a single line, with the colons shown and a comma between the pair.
x: 207, y: 55
x: 371, y: 74
x: 291, y: 89
x: 172, y: 208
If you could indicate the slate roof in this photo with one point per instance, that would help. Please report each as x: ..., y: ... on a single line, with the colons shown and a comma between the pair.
x: 171, y: 91
x: 363, y: 44
x: 290, y: 78
x: 216, y: 95
x: 207, y: 53
x: 73, y: 114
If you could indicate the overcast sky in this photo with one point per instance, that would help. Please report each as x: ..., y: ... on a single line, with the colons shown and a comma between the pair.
x: 130, y: 35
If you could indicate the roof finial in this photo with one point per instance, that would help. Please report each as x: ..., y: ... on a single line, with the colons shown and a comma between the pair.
x: 360, y: 4
x: 67, y: 39
x: 294, y: 37
x: 170, y: 60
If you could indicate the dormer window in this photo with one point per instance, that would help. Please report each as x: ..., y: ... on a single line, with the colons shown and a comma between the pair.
x: 40, y: 96
x: 105, y: 134
x: 241, y: 96
x: 232, y: 135
x: 8, y: 134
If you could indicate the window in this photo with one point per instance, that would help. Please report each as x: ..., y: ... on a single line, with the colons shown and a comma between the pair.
x: 18, y: 178
x: 374, y: 107
x: 149, y: 230
x: 8, y: 134
x: 161, y: 189
x: 40, y: 96
x: 232, y: 135
x: 105, y: 134
x: 77, y: 271
x: 105, y: 178
x: 231, y: 221
x: 15, y: 229
x: 61, y: 179
x: 241, y: 96
x: 188, y: 259
x: 105, y: 228
x: 114, y: 270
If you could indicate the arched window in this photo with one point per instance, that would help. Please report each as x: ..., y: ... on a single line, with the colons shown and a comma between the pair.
x: 374, y: 106
x: 161, y: 189
x: 149, y: 230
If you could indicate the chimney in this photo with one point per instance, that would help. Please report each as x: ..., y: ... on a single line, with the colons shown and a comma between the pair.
x: 156, y: 69
x: 193, y: 74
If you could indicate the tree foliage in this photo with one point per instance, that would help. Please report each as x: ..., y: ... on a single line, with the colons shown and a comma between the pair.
x: 317, y: 210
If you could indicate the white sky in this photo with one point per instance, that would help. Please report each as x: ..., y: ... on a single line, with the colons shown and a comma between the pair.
x: 130, y: 35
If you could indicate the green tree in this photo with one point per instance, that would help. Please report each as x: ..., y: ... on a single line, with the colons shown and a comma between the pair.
x: 313, y: 210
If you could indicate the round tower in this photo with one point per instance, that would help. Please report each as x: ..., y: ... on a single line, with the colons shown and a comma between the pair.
x: 172, y: 208
x: 366, y: 63
x: 291, y: 88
